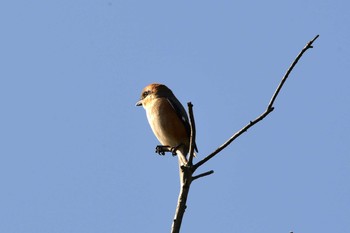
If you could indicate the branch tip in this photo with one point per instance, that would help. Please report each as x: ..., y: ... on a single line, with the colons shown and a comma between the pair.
x: 315, y: 37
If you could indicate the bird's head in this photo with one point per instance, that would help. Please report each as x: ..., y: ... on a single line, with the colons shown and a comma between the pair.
x: 153, y: 91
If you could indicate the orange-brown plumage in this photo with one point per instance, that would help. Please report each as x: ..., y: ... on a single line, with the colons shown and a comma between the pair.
x: 166, y: 116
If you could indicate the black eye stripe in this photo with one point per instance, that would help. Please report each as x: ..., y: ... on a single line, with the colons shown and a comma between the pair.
x: 145, y: 93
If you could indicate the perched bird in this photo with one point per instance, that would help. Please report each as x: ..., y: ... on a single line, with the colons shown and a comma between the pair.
x: 167, y: 118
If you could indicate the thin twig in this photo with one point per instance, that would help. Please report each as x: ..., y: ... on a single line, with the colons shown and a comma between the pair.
x: 236, y: 135
x: 268, y: 110
x: 193, y: 134
x: 307, y: 46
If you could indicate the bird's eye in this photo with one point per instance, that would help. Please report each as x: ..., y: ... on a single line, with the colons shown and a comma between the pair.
x: 145, y: 94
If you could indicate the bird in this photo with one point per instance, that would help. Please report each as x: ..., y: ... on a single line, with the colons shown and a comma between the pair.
x: 168, y: 118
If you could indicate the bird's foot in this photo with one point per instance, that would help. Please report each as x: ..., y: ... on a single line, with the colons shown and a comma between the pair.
x: 175, y: 148
x: 162, y: 149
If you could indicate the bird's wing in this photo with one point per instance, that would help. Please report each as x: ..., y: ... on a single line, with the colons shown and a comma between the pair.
x: 182, y: 114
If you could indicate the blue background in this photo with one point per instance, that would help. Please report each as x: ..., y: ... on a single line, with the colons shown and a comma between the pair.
x: 76, y: 155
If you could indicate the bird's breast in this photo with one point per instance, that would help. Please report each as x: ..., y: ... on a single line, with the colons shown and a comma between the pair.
x: 165, y: 123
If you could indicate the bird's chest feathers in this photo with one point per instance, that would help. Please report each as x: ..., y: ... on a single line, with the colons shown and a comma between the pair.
x: 157, y: 116
x: 163, y: 120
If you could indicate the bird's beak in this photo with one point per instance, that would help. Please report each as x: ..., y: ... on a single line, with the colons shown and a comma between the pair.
x: 138, y: 103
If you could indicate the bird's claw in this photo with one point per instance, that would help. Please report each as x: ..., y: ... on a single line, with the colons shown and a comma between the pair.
x: 160, y: 150
x: 173, y: 151
x: 175, y: 148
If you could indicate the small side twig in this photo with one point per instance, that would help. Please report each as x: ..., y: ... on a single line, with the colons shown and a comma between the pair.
x: 202, y: 175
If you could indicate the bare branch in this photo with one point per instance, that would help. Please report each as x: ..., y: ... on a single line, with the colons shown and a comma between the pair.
x: 186, y: 179
x: 187, y: 169
x: 236, y: 135
x: 263, y: 115
x: 193, y: 134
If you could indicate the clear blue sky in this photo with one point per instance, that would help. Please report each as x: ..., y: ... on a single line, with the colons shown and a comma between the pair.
x: 76, y: 155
